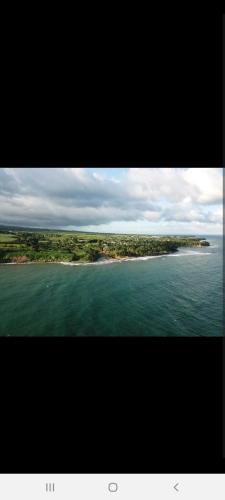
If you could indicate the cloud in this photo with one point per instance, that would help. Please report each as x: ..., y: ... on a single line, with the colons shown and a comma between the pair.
x: 199, y: 185
x: 79, y: 197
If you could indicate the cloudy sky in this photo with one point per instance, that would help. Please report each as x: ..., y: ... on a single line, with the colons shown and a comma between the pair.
x: 130, y: 200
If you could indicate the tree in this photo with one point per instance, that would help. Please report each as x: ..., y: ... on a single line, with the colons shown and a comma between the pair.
x: 75, y: 257
x: 33, y: 242
x: 92, y: 254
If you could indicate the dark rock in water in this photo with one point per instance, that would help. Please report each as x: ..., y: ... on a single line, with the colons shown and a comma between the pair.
x: 204, y: 243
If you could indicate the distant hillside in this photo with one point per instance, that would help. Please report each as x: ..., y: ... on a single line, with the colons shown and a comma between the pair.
x: 7, y: 228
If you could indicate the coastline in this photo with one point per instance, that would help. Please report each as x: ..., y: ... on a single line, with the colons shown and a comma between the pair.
x: 83, y: 263
x: 114, y: 260
x: 19, y: 248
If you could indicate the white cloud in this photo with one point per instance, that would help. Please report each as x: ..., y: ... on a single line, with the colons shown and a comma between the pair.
x: 199, y: 185
x: 151, y: 215
x: 152, y: 199
x: 208, y: 181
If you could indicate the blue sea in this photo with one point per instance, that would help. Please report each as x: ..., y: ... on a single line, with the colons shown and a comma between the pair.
x: 176, y: 295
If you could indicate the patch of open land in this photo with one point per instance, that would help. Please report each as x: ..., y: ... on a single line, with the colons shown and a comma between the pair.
x: 21, y: 246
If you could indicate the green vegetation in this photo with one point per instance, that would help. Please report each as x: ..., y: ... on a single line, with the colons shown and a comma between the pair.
x: 22, y: 246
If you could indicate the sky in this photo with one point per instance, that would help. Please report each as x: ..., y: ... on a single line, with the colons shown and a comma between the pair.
x: 119, y: 200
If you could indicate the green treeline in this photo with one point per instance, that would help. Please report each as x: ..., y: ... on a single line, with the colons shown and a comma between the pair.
x: 49, y: 246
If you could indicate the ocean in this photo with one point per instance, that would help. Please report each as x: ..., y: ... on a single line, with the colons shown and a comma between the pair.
x: 176, y: 295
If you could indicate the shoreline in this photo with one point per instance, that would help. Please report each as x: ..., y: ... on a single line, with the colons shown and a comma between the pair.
x: 83, y: 263
x: 106, y: 261
x: 31, y: 248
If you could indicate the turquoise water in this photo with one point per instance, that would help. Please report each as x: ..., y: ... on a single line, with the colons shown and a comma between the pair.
x: 177, y: 295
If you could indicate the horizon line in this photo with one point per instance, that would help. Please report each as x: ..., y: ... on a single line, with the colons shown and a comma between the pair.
x: 105, y: 232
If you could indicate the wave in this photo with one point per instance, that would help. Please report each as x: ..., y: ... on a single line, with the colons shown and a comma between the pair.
x: 146, y: 257
x: 130, y: 259
x: 188, y: 254
x: 8, y: 263
x: 111, y: 261
x: 89, y: 263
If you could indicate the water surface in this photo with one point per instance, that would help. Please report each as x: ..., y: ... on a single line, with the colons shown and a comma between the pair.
x: 176, y: 295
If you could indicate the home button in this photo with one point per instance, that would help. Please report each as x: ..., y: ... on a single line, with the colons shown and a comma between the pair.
x: 113, y: 487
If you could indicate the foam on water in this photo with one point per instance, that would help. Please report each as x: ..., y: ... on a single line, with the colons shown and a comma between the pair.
x: 130, y: 259
x: 90, y: 263
x: 189, y: 254
x: 111, y: 261
x: 152, y: 298
x: 115, y: 261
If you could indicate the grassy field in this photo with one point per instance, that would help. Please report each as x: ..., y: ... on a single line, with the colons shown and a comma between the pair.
x: 56, y: 246
x: 7, y: 238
